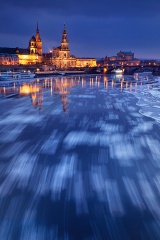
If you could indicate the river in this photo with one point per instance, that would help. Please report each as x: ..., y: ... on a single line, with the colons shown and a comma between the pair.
x: 80, y: 159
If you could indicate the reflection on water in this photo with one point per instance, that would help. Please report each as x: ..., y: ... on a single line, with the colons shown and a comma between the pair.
x: 79, y: 159
x: 62, y: 86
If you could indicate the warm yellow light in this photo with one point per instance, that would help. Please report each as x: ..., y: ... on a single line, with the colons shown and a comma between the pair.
x: 26, y: 89
x: 104, y: 70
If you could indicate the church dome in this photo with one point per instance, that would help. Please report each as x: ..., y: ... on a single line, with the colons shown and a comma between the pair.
x: 33, y: 38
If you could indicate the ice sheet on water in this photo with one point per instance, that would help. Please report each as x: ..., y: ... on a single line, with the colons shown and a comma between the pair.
x: 113, y: 198
x: 154, y: 114
x: 156, y: 106
x: 110, y: 138
x: 111, y: 128
x: 42, y: 180
x: 80, y: 195
x: 132, y: 109
x: 50, y: 145
x: 143, y: 127
x: 83, y: 96
x: 113, y: 116
x: 133, y: 193
x: 149, y: 101
x: 98, y: 176
x: 154, y: 147
x: 64, y: 171
x: 10, y: 135
x: 56, y: 111
x: 157, y: 182
x: 149, y: 197
x: 14, y: 149
x: 116, y: 138
x: 142, y: 103
x: 21, y: 118
x: 18, y: 172
x: 155, y: 92
x: 126, y: 153
x: 135, y: 114
x: 17, y: 110
x: 54, y: 178
x: 108, y: 105
x: 75, y: 138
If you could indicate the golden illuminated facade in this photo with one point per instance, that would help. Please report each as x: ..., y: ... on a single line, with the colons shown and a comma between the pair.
x: 123, y: 59
x: 60, y: 57
x: 8, y: 59
x: 34, y: 54
x: 63, y: 60
x: 26, y: 56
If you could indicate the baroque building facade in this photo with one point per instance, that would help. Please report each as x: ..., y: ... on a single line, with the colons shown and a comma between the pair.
x: 24, y: 56
x: 62, y: 59
x: 124, y: 59
x: 59, y: 58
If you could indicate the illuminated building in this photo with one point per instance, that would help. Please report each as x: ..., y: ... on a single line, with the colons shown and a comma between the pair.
x: 8, y: 59
x: 59, y: 57
x: 123, y: 59
x: 62, y: 59
x: 26, y: 56
x: 125, y: 55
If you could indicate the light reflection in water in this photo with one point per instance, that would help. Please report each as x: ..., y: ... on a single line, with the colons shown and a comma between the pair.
x: 27, y: 89
x: 83, y: 82
x: 112, y: 83
x: 63, y: 85
x: 121, y: 85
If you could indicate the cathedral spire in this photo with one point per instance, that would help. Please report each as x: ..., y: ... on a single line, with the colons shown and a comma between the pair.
x: 64, y: 28
x: 64, y: 33
x: 64, y: 42
x: 37, y: 30
x: 38, y: 41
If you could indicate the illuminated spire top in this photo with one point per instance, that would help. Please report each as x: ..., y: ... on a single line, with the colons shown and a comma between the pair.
x: 64, y: 34
x: 64, y: 42
x: 38, y: 38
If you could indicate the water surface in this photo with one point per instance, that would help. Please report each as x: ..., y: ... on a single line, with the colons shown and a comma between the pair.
x: 80, y: 159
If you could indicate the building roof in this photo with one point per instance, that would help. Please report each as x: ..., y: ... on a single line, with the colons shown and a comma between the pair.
x: 7, y: 50
x: 57, y: 48
x: 33, y: 38
x: 126, y: 53
x: 85, y: 58
x: 8, y: 55
x: 16, y: 50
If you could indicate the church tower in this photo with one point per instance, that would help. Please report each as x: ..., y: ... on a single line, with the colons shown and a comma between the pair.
x: 32, y: 45
x: 38, y: 41
x: 64, y: 52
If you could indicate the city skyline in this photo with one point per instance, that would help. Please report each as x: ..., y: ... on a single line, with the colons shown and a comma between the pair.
x: 94, y: 30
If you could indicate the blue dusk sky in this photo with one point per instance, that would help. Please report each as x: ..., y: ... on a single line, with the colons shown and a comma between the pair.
x: 95, y: 28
